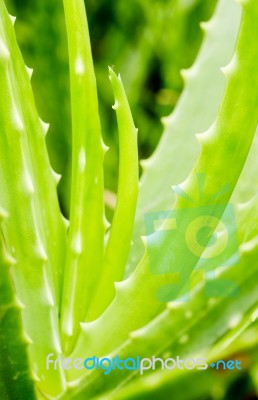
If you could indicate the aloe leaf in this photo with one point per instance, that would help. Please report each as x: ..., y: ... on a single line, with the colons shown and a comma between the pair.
x: 161, y: 386
x: 15, y: 376
x: 184, y: 329
x: 86, y: 233
x: 232, y: 133
x: 120, y: 236
x: 44, y: 48
x: 46, y: 178
x: 35, y: 235
x: 247, y: 185
x: 171, y: 379
x: 195, y: 111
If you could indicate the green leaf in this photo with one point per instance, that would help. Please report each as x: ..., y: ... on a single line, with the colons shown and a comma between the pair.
x: 86, y: 232
x: 195, y: 111
x: 34, y: 232
x: 15, y: 376
x: 120, y: 236
x: 229, y: 138
x: 200, y: 327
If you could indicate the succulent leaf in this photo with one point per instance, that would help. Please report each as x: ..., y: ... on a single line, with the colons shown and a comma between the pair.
x: 86, y: 231
x: 15, y: 375
x: 194, y: 113
x: 35, y: 235
x: 232, y: 133
x: 120, y: 235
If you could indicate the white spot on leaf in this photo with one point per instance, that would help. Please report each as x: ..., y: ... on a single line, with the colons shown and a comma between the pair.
x: 79, y: 66
x: 28, y: 184
x: 77, y: 244
x: 17, y: 120
x: 234, y: 320
x: 4, y: 52
x: 82, y: 160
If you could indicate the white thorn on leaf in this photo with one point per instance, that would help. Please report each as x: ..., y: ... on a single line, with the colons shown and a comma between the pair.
x: 18, y: 303
x: 116, y: 105
x: 205, y: 137
x: 66, y: 222
x: 29, y: 71
x: 44, y: 125
x: 12, y: 18
x: 120, y: 285
x: 57, y: 177
x: 27, y: 339
x: 206, y: 26
x: 165, y: 121
x: 88, y: 326
x: 104, y: 147
x: 146, y: 164
x: 230, y: 67
x: 35, y: 377
x: 185, y: 74
x: 111, y: 73
x: 201, y: 138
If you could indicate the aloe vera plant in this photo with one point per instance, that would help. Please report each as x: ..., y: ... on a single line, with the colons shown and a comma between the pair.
x: 81, y: 288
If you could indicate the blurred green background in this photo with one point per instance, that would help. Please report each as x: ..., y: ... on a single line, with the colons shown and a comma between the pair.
x: 148, y: 42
